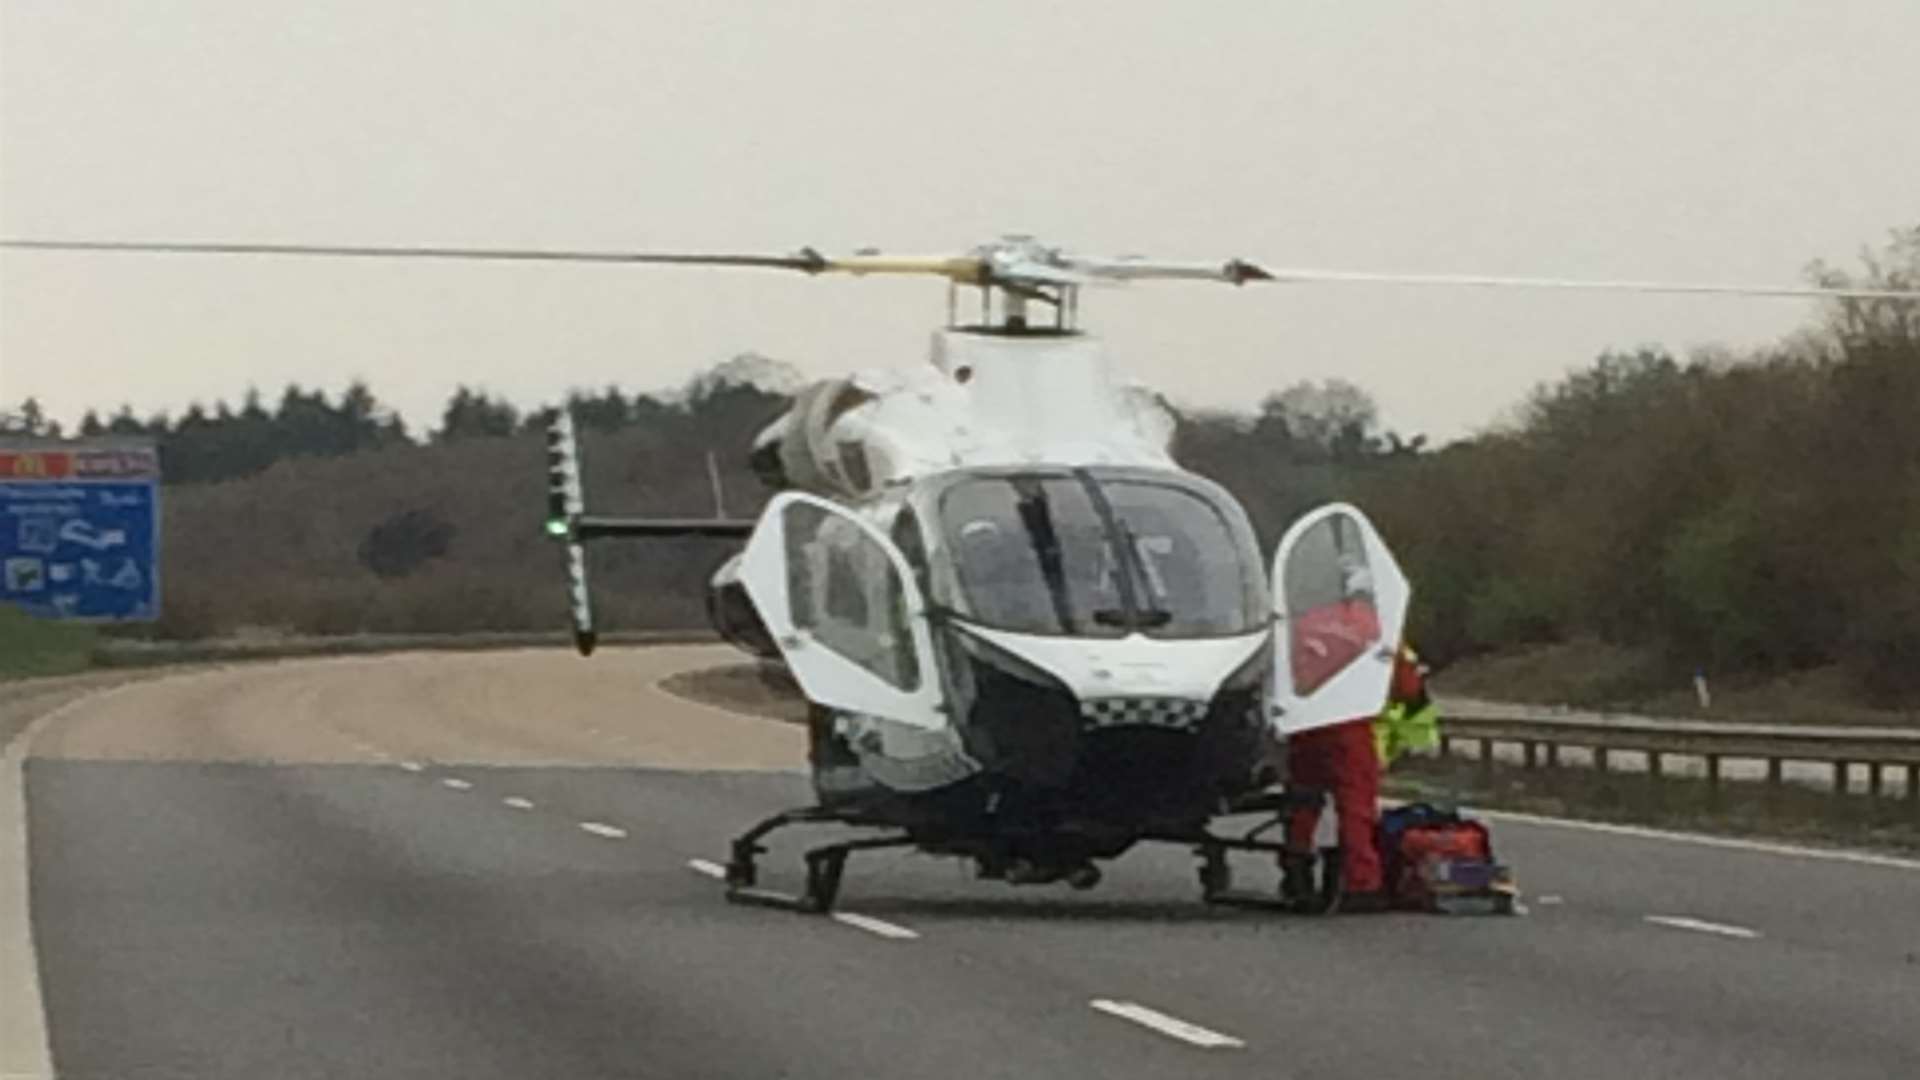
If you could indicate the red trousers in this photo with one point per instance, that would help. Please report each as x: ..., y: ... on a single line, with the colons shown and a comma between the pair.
x: 1340, y: 759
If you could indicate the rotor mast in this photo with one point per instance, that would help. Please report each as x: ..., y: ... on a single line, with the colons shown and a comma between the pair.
x: 1015, y: 275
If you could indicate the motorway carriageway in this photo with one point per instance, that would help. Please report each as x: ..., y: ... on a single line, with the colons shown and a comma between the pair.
x: 502, y: 865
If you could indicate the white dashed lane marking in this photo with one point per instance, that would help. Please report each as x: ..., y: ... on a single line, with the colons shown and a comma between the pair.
x: 611, y: 832
x: 518, y: 803
x: 1683, y: 922
x: 455, y: 783
x: 412, y: 766
x: 711, y: 869
x: 1172, y: 1027
x: 872, y: 925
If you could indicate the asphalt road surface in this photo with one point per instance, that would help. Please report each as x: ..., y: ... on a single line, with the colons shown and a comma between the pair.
x: 490, y: 865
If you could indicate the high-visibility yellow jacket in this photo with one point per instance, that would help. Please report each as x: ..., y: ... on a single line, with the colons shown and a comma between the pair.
x: 1411, y: 721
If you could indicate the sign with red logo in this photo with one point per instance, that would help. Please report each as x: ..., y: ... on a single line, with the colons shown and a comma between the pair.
x: 79, y: 529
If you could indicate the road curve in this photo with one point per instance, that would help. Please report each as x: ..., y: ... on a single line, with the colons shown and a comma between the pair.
x: 492, y: 864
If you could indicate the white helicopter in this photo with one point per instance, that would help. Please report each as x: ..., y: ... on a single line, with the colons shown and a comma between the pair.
x: 1028, y: 637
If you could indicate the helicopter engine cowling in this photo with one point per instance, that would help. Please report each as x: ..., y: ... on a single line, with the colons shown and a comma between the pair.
x: 733, y: 615
x: 985, y: 401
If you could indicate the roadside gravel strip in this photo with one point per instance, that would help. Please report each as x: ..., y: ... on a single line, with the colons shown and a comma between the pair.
x: 501, y: 864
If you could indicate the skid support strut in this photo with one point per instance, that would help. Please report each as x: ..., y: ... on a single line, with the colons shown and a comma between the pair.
x: 1216, y: 875
x: 824, y: 864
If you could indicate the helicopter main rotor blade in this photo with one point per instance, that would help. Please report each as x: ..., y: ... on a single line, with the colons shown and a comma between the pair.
x: 962, y: 269
x: 1476, y: 281
x: 806, y: 260
x: 1240, y: 272
x: 992, y: 265
x: 1139, y: 268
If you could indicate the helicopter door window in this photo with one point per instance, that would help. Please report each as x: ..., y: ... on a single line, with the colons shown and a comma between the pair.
x: 1330, y: 595
x: 845, y: 592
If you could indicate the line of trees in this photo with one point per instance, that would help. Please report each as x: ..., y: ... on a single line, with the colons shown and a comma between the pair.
x: 205, y: 445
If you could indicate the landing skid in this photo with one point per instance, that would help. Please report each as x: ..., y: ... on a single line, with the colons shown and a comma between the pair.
x: 825, y: 865
x: 1216, y: 875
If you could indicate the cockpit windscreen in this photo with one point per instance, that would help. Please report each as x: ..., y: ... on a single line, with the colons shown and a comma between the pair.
x: 1093, y: 555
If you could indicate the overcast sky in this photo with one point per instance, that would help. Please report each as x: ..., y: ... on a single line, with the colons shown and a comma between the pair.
x: 1707, y: 139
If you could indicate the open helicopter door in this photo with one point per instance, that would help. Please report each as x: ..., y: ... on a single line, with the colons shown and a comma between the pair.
x: 1340, y: 603
x: 842, y: 605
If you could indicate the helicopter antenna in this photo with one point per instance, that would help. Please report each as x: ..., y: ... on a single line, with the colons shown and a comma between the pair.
x: 719, y: 494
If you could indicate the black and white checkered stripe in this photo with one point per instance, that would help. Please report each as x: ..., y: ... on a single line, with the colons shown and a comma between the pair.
x: 1179, y: 714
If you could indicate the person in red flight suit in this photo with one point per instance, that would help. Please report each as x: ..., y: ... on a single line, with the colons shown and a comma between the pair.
x: 1345, y: 761
x: 1339, y: 759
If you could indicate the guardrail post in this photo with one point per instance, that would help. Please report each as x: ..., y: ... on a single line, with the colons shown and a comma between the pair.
x: 1841, y: 773
x: 1486, y: 757
x: 1446, y: 745
x: 1913, y: 785
x: 1531, y: 749
x: 1774, y: 771
x: 1600, y: 759
x: 1873, y: 779
x: 1713, y: 779
x: 1553, y: 755
x: 1653, y: 765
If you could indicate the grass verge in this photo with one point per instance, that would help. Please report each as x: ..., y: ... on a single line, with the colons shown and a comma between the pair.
x: 31, y: 647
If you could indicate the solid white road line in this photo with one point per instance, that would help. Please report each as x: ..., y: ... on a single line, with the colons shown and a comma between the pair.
x: 412, y: 766
x: 518, y: 803
x: 1682, y: 922
x: 611, y: 832
x: 1550, y: 900
x: 1862, y: 858
x: 875, y: 926
x: 1166, y: 1025
x: 455, y: 783
x: 709, y: 868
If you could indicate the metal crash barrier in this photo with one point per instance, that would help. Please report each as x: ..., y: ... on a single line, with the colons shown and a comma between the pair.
x: 1541, y: 737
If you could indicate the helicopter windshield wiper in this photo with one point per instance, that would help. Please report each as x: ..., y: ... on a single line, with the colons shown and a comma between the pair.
x: 1036, y: 517
x: 1144, y: 619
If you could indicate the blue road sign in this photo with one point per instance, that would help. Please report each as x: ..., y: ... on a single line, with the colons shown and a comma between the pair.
x: 79, y: 530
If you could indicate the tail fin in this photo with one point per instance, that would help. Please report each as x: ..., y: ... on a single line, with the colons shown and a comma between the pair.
x: 569, y: 523
x: 566, y: 505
